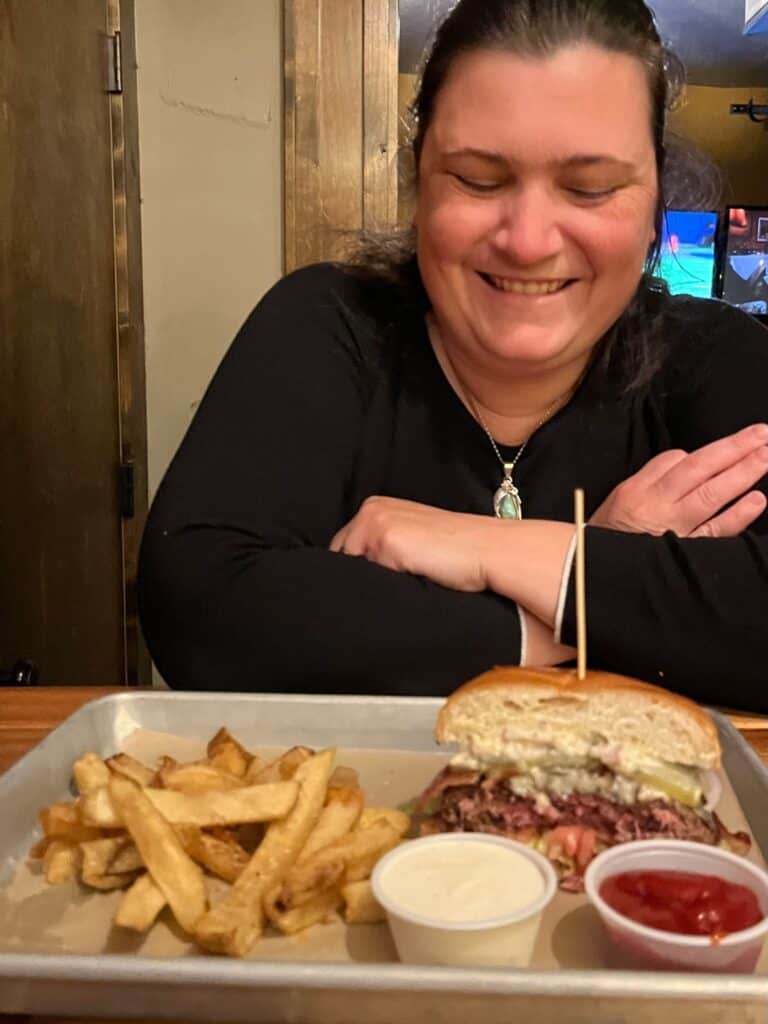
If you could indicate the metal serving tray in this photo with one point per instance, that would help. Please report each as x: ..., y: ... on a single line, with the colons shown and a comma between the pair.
x: 207, y: 989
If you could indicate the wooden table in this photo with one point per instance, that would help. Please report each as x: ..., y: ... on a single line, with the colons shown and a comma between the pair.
x: 27, y: 715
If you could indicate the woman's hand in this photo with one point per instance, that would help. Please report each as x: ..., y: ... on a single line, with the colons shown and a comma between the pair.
x: 406, y: 536
x: 687, y: 493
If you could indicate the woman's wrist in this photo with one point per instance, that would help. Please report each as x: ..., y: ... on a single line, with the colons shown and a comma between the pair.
x: 524, y: 561
x: 540, y: 647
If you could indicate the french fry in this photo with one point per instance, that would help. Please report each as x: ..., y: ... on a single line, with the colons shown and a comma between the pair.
x: 283, y: 767
x: 165, y: 763
x: 127, y: 858
x: 61, y: 861
x: 226, y: 860
x: 226, y: 753
x: 231, y: 807
x: 124, y: 764
x: 340, y: 814
x: 99, y: 853
x: 173, y: 871
x: 318, y: 909
x: 292, y: 838
x: 140, y: 905
x: 256, y: 766
x: 37, y: 852
x: 100, y: 869
x: 338, y: 863
x: 63, y: 821
x: 234, y: 924
x: 197, y: 778
x: 97, y: 810
x: 359, y: 870
x: 399, y: 821
x: 105, y: 883
x: 341, y: 776
x: 360, y: 905
x: 90, y: 773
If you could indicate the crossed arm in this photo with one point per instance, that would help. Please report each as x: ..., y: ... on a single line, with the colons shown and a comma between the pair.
x: 706, y: 494
x: 238, y: 589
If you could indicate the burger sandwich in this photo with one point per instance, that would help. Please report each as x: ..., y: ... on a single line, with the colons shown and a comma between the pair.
x: 574, y: 766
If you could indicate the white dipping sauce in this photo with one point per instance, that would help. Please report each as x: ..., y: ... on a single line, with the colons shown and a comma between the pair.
x: 461, y: 881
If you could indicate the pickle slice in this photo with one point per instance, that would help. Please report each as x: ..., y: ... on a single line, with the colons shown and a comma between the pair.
x: 679, y: 783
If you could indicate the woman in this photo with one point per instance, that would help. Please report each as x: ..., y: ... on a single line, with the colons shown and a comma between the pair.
x: 376, y: 493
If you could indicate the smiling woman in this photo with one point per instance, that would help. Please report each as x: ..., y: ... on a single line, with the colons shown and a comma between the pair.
x: 376, y: 492
x: 531, y: 242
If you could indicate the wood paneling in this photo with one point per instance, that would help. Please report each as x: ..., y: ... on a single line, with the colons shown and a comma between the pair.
x: 340, y: 96
x: 381, y: 115
x: 65, y: 330
x: 130, y: 328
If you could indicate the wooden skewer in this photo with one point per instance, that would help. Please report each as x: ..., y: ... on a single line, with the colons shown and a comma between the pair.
x: 581, y: 606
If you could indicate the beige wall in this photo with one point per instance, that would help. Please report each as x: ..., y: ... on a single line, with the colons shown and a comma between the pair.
x: 738, y: 147
x: 210, y: 118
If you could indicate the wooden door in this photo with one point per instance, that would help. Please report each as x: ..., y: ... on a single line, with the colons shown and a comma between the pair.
x: 71, y: 404
x: 340, y: 100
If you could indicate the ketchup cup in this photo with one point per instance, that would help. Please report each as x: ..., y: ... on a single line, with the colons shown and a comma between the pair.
x: 633, y: 945
x: 440, y: 932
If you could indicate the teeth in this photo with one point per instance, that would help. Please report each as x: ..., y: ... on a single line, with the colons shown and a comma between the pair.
x: 508, y: 284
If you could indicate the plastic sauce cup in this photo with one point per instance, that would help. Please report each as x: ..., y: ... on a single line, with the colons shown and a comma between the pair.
x: 636, y: 946
x: 505, y: 940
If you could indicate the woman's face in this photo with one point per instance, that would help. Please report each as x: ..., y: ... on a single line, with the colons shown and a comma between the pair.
x: 536, y: 201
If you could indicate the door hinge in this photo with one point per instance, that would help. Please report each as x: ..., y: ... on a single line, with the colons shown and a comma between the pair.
x: 127, y: 489
x: 114, y: 63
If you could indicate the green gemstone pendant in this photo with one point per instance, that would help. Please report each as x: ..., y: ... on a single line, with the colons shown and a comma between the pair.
x: 506, y: 500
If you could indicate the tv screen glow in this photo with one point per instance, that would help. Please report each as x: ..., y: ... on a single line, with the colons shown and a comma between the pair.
x: 688, y: 252
x: 745, y: 260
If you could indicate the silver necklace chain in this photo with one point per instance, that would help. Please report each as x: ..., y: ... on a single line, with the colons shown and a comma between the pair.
x: 507, y: 503
x: 548, y: 412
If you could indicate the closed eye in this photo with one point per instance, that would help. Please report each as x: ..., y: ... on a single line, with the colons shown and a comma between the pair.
x: 592, y: 195
x: 477, y: 186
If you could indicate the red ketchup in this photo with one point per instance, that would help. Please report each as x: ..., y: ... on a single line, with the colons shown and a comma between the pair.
x: 681, y: 902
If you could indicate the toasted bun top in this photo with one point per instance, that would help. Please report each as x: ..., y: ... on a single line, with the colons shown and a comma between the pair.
x: 512, y: 714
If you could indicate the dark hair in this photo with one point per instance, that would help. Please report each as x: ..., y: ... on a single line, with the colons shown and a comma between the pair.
x: 540, y: 28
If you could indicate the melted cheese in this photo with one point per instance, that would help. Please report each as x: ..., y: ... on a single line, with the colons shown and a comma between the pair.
x: 549, y: 772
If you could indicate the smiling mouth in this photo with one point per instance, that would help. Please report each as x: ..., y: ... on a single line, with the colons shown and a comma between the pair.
x: 517, y: 286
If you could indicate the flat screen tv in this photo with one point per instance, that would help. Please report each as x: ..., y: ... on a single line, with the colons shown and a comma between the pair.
x: 688, y: 251
x: 743, y: 276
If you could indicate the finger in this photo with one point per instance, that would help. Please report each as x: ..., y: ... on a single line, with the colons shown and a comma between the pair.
x: 659, y: 466
x: 735, y: 519
x: 353, y: 540
x: 714, y: 494
x: 710, y: 460
x: 337, y: 542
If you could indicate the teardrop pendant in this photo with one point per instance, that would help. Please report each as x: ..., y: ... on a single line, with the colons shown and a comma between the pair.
x: 506, y: 500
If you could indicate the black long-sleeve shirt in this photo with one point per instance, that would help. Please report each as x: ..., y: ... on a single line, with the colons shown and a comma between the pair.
x: 326, y: 397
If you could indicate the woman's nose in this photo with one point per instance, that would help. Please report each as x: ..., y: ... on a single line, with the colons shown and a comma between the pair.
x: 528, y: 231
